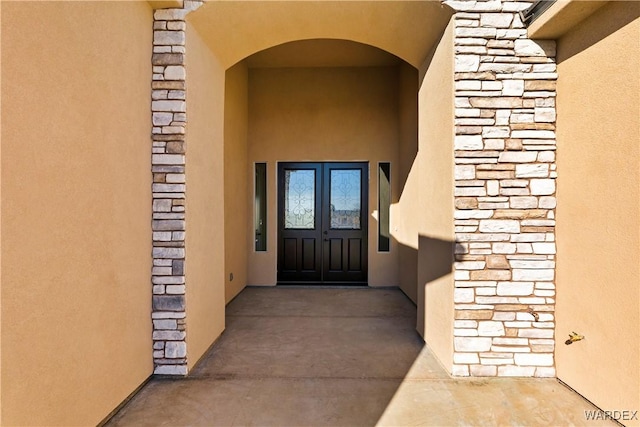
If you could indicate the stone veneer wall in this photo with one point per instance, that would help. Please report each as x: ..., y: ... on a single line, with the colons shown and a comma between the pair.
x: 169, y: 189
x: 504, y: 193
x: 504, y: 196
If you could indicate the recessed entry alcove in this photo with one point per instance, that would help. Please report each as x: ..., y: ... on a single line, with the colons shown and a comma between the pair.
x: 316, y: 101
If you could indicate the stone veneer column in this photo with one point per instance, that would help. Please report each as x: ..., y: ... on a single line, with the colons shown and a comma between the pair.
x: 504, y: 193
x: 168, y: 166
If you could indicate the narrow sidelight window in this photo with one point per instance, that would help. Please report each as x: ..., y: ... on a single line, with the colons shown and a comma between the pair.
x: 260, y: 207
x: 384, y: 202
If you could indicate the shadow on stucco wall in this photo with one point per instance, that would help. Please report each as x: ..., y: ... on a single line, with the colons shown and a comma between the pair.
x: 435, y: 259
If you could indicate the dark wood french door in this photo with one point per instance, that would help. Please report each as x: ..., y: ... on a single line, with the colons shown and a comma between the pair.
x: 322, y: 223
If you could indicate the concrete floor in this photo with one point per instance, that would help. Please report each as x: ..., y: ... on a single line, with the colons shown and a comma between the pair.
x: 338, y: 357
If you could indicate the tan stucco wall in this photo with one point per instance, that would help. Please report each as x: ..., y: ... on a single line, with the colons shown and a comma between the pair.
x: 237, y: 183
x: 598, y: 271
x: 76, y: 248
x: 205, y: 240
x: 406, y: 28
x: 435, y: 207
x: 406, y: 192
x: 322, y: 114
x: 0, y: 225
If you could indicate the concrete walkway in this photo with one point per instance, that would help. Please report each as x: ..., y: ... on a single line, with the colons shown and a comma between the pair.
x: 338, y: 357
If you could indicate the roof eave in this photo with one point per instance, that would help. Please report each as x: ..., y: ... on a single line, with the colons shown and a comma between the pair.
x: 559, y: 16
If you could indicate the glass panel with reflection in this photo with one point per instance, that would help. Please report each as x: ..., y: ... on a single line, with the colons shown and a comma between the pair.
x: 299, y: 199
x: 345, y: 199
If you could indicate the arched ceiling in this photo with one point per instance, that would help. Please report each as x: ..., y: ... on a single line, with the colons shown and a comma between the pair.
x: 322, y: 53
x: 234, y: 30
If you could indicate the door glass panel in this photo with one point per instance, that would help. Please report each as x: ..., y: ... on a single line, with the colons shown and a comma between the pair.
x: 260, y: 207
x: 384, y: 203
x: 345, y: 199
x: 299, y: 199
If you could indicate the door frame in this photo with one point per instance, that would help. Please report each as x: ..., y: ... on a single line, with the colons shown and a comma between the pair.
x: 322, y: 232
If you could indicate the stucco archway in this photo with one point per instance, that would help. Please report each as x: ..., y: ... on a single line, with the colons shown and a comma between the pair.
x: 314, y: 100
x: 236, y: 30
x: 480, y: 114
x: 196, y: 49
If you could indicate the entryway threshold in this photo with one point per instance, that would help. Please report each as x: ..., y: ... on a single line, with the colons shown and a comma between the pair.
x: 327, y: 285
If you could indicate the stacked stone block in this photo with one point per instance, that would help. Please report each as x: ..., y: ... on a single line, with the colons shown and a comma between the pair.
x: 169, y: 190
x: 505, y: 190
